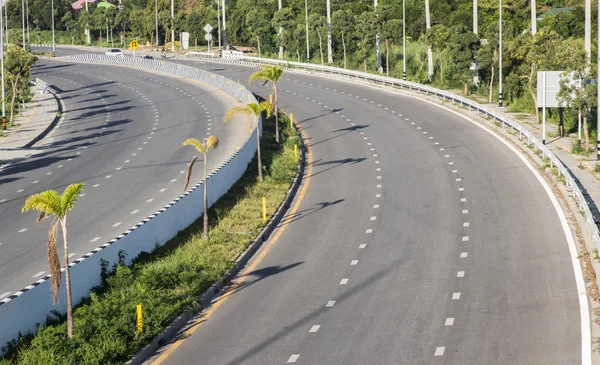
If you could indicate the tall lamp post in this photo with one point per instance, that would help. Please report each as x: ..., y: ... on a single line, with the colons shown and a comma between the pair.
x: 403, y: 40
x: 6, y: 19
x: 598, y: 105
x: 53, y: 43
x: 156, y: 19
x: 329, y: 50
x: 23, y: 21
x: 306, y: 22
x: 500, y: 58
x: 27, y: 11
x: 2, y: 71
x: 224, y: 27
x: 172, y: 26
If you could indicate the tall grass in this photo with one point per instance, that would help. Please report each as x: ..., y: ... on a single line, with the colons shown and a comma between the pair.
x: 168, y: 281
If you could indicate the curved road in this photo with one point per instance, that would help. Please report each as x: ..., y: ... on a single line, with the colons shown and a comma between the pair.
x: 421, y: 239
x: 121, y: 135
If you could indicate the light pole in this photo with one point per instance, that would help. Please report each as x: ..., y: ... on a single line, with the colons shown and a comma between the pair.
x: 87, y: 26
x: 53, y: 44
x: 6, y: 19
x: 377, y: 45
x: 598, y: 105
x: 2, y: 66
x: 329, y: 51
x: 588, y: 29
x: 500, y: 58
x: 306, y: 18
x: 533, y: 9
x: 224, y: 27
x: 219, y: 21
x: 27, y: 6
x: 475, y: 23
x: 23, y: 21
x: 403, y: 40
x: 172, y: 26
x: 156, y: 19
x: 429, y: 53
x: 279, y: 35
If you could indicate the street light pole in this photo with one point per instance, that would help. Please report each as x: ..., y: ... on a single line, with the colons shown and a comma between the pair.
x: 87, y: 27
x: 500, y: 59
x: 27, y: 6
x: 598, y: 105
x: 377, y: 45
x: 6, y: 19
x: 156, y: 19
x: 279, y: 34
x: 307, y: 42
x: 329, y: 50
x: 23, y: 21
x: 53, y: 43
x: 429, y: 52
x: 2, y: 66
x: 172, y: 26
x: 219, y: 21
x: 224, y: 27
x: 403, y: 40
x: 475, y: 22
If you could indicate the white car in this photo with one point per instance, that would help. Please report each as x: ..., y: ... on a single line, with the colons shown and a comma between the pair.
x: 114, y: 52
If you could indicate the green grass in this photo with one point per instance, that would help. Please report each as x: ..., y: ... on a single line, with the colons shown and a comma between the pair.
x: 170, y: 280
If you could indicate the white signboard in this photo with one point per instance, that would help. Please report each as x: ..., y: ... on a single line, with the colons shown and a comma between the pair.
x: 185, y: 40
x: 551, y: 87
x: 208, y: 36
x: 208, y: 28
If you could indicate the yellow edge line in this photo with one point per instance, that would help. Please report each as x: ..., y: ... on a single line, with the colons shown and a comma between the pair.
x: 266, y: 248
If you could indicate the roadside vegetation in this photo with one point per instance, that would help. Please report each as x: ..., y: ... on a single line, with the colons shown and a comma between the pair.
x: 170, y: 280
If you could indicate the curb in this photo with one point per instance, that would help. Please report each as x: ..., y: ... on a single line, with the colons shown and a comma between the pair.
x: 212, y: 292
x: 52, y: 124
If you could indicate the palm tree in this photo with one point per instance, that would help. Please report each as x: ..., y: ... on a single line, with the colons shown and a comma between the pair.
x: 273, y: 74
x: 50, y: 203
x: 211, y: 143
x: 255, y: 110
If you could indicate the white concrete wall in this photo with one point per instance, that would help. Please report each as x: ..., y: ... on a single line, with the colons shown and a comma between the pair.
x: 24, y: 310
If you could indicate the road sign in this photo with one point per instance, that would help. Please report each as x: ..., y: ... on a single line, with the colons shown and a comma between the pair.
x: 134, y: 44
x: 208, y: 36
x: 208, y: 28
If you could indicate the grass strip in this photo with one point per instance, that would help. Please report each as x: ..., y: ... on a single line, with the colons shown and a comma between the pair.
x: 170, y: 280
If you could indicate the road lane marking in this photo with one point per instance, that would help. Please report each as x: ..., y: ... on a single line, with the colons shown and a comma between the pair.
x: 313, y: 329
x: 369, y: 231
x: 293, y: 358
x: 449, y: 321
x: 134, y: 211
x: 362, y: 245
x: 5, y: 294
x: 376, y: 206
x: 460, y: 274
x: 353, y: 262
x: 465, y: 238
x: 455, y: 296
x: 330, y: 304
x: 116, y: 224
x: 465, y: 211
x: 373, y: 218
x: 20, y: 190
x: 344, y: 281
x: 464, y: 255
x: 466, y: 224
x: 38, y: 274
x: 22, y: 230
x: 439, y: 351
x: 94, y: 239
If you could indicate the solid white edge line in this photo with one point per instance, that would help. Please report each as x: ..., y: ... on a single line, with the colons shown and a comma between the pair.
x: 586, y: 337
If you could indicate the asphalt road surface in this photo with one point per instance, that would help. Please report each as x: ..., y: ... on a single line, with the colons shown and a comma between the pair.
x: 421, y: 239
x: 121, y: 135
x: 417, y: 238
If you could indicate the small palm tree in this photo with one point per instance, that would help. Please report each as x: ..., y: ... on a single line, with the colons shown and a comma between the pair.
x: 255, y: 110
x: 211, y: 143
x: 50, y: 203
x: 273, y: 74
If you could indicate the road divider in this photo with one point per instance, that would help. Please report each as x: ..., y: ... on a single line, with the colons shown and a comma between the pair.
x: 22, y: 312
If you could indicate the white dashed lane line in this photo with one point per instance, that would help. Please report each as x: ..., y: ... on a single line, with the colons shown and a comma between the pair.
x: 5, y: 294
x: 38, y: 274
x: 439, y: 351
x: 94, y: 239
x: 293, y: 358
x: 313, y: 329
x: 330, y: 304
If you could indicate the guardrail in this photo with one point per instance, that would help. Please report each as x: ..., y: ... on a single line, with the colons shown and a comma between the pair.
x: 570, y: 180
x: 22, y: 311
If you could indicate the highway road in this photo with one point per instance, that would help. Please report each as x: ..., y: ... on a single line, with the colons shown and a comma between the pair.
x: 416, y: 238
x: 421, y: 239
x: 121, y: 135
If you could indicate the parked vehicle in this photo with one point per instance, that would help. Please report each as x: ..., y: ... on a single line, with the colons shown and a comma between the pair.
x: 146, y: 57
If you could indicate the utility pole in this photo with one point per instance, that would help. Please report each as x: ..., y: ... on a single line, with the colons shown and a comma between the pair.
x: 53, y: 42
x: 88, y: 37
x: 156, y: 20
x: 329, y: 51
x: 500, y: 59
x: 533, y: 17
x: 219, y: 21
x: 2, y: 66
x: 403, y: 40
x: 475, y: 24
x: 6, y: 20
x: 27, y: 6
x: 429, y: 53
x: 23, y: 21
x: 378, y: 44
x: 306, y: 18
x: 172, y: 26
x: 598, y: 105
x: 224, y: 27
x: 279, y: 35
x: 588, y: 29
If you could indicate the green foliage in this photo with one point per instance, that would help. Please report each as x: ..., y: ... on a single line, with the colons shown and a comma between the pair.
x: 168, y: 281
